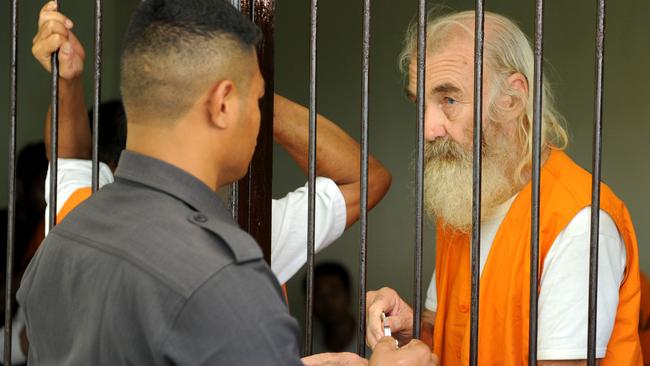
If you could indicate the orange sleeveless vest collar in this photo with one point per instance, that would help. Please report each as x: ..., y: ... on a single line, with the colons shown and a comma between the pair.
x: 504, y: 288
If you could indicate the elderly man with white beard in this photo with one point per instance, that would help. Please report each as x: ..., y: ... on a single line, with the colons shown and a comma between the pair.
x: 505, y: 217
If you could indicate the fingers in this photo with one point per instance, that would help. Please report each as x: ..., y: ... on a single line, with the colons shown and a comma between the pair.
x: 418, y: 350
x: 385, y: 344
x: 49, y: 12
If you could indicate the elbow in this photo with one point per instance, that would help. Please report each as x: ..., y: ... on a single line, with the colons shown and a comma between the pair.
x: 379, y: 181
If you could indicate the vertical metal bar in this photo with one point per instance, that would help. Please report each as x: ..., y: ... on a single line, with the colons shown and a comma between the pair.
x: 233, y: 191
x: 419, y: 173
x: 595, y: 186
x: 97, y: 93
x: 252, y: 193
x: 363, y: 208
x: 11, y: 212
x: 535, y: 180
x: 54, y: 136
x: 476, y: 182
x: 311, y: 187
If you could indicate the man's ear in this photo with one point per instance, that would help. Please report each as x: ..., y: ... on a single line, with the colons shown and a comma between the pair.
x: 513, y: 102
x: 223, y: 103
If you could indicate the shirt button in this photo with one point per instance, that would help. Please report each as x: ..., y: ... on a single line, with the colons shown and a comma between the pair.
x: 200, y: 218
x: 458, y: 354
x: 463, y: 308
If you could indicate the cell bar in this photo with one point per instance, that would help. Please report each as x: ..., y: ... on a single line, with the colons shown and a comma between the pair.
x: 54, y: 137
x: 476, y: 180
x: 311, y: 186
x: 595, y: 186
x: 535, y: 180
x: 363, y: 218
x: 11, y: 212
x: 97, y: 79
x: 419, y: 172
x: 251, y: 196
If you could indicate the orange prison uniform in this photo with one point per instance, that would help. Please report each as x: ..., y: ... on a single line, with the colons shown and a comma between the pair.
x: 504, y: 287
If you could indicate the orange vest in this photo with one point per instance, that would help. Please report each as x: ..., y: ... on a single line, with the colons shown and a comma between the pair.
x: 644, y: 319
x: 504, y: 287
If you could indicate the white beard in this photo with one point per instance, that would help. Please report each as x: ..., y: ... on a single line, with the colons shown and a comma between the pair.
x: 448, y: 181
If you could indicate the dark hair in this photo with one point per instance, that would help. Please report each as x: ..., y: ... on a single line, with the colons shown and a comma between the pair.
x: 174, y: 48
x: 333, y: 269
x: 112, y: 131
x: 206, y: 18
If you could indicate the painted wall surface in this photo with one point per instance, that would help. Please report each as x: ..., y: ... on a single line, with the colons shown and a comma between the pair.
x: 569, y: 51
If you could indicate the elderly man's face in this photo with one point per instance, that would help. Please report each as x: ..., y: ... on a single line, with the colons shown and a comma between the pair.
x: 449, y: 88
x: 449, y: 103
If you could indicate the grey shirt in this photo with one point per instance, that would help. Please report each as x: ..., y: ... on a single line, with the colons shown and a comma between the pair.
x: 152, y: 270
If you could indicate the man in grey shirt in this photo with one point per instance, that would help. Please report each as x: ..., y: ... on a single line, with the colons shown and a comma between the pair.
x: 152, y: 270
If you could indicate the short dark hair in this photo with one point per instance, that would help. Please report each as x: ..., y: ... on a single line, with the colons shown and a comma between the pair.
x: 173, y: 46
x: 112, y: 131
x: 333, y: 269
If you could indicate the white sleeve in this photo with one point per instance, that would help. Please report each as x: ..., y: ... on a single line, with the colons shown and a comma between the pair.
x: 563, y: 298
x: 73, y: 174
x: 431, y: 302
x: 289, y: 226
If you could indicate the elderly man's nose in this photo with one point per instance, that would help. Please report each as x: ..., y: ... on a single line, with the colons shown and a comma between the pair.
x: 434, y: 124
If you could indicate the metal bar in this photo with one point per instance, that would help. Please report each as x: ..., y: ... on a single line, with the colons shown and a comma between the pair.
x: 595, y: 186
x: 97, y: 93
x: 535, y: 180
x: 476, y: 180
x: 419, y: 172
x: 311, y: 186
x: 363, y: 204
x: 54, y: 136
x: 254, y: 191
x: 11, y: 212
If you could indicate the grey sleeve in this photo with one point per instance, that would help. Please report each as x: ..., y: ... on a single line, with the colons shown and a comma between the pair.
x: 238, y: 317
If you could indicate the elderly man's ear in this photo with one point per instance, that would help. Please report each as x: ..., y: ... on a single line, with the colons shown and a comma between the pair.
x: 512, y: 103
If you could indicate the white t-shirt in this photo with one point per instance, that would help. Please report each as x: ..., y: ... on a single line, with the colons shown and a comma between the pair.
x: 564, y: 284
x: 288, y: 214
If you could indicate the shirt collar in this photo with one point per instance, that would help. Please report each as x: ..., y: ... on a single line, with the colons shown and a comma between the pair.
x: 172, y: 180
x: 178, y: 183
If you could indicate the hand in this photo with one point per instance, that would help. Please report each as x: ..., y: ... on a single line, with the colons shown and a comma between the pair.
x: 415, y: 353
x: 399, y: 316
x: 335, y: 359
x: 54, y: 33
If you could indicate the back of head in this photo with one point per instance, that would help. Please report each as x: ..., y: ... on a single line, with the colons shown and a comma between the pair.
x: 175, y: 49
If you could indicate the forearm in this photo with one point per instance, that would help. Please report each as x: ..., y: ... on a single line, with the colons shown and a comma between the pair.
x: 74, y: 129
x: 337, y: 154
x: 428, y: 319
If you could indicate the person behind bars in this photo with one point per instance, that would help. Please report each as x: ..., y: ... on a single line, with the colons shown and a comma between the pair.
x: 152, y: 269
x: 506, y: 213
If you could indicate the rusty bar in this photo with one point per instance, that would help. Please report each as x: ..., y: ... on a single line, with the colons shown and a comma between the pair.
x: 311, y: 186
x: 97, y: 79
x: 595, y: 186
x: 11, y: 210
x: 535, y: 180
x: 419, y: 172
x: 253, y: 192
x: 476, y: 180
x: 363, y: 204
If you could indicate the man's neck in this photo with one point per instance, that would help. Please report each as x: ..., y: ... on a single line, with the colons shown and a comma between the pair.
x: 176, y: 149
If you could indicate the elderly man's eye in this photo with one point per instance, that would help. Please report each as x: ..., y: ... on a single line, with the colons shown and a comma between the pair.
x: 450, y: 101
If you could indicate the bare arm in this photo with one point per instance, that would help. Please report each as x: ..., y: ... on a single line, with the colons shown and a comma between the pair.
x: 426, y: 334
x: 54, y: 33
x: 337, y: 155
